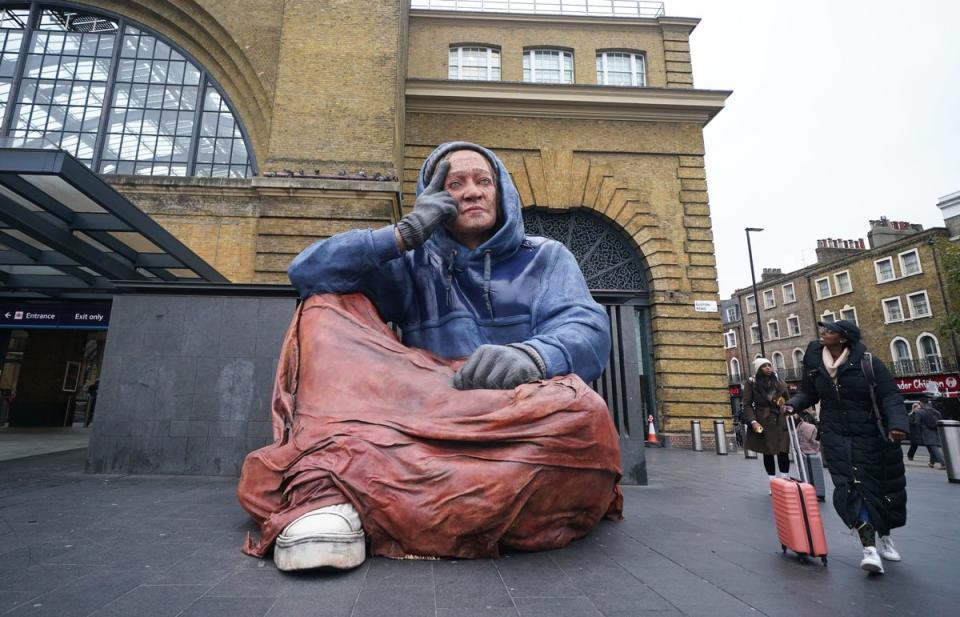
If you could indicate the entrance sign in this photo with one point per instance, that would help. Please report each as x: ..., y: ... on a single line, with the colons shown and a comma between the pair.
x: 67, y: 315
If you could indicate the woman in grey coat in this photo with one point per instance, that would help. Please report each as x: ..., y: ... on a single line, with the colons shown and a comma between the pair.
x: 927, y: 423
x: 763, y: 396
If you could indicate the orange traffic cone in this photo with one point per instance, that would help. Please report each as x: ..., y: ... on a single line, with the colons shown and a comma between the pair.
x: 651, y: 430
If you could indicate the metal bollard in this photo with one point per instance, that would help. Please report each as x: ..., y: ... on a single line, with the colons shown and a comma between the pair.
x: 696, y: 441
x: 719, y: 437
x: 949, y: 431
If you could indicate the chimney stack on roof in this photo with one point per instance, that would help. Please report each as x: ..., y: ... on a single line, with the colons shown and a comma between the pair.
x: 770, y: 273
x: 885, y: 231
x: 829, y: 249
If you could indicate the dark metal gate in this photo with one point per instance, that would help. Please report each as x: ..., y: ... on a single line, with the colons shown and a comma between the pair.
x: 616, y: 275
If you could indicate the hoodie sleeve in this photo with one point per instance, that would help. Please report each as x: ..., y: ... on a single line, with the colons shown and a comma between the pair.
x: 361, y: 260
x: 571, y: 331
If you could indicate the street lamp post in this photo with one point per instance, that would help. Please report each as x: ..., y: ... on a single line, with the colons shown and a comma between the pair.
x: 756, y: 298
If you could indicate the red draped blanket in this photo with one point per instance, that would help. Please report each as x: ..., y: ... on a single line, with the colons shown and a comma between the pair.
x: 433, y: 471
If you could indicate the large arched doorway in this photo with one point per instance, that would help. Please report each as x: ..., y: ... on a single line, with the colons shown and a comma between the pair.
x: 616, y: 275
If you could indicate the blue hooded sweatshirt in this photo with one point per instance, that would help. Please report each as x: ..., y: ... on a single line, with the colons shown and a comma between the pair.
x: 449, y: 299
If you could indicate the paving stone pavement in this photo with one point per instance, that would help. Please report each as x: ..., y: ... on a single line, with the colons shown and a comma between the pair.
x: 699, y: 540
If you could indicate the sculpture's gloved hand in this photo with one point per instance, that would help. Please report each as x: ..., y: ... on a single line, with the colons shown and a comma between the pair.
x: 500, y: 367
x: 433, y: 207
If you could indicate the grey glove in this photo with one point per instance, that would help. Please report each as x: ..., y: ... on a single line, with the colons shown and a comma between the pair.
x: 433, y: 206
x: 500, y: 367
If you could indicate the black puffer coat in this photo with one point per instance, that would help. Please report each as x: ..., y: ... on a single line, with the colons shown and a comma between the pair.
x: 863, y: 463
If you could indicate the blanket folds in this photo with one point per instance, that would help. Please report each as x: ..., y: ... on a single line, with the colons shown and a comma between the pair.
x: 433, y: 471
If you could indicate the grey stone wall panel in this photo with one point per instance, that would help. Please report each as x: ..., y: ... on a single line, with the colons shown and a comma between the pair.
x: 186, y: 383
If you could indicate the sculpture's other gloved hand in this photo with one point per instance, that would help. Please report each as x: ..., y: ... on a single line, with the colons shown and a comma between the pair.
x: 433, y: 207
x: 500, y: 367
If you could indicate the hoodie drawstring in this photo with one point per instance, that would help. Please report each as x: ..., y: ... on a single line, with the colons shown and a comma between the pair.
x: 448, y: 280
x: 486, y: 282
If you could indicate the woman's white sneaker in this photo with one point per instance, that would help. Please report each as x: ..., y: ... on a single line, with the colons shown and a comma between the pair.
x: 871, y: 561
x: 887, y: 550
x: 329, y: 537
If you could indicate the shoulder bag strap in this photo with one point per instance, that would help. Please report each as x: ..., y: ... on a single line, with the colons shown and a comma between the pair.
x: 866, y: 364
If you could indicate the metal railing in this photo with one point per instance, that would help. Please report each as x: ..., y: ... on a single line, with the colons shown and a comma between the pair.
x: 592, y: 8
x: 906, y: 368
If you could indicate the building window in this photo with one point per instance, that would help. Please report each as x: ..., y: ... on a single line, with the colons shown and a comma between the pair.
x: 773, y: 329
x: 823, y: 288
x: 548, y: 66
x: 793, y: 325
x: 734, y: 369
x: 751, y: 304
x: 842, y: 279
x: 754, y: 333
x: 731, y: 313
x: 778, y: 363
x: 474, y: 63
x: 929, y: 349
x: 919, y: 305
x: 789, y: 295
x: 849, y: 313
x: 620, y: 68
x: 884, y: 268
x: 910, y: 263
x: 892, y: 310
x: 118, y: 97
x: 798, y: 361
x: 730, y: 339
x: 768, y: 300
x: 900, y: 352
x: 828, y: 317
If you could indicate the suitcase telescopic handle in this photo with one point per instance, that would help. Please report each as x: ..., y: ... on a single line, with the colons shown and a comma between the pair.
x: 795, y: 446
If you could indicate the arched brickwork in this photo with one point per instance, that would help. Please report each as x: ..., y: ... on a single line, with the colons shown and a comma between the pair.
x: 558, y: 180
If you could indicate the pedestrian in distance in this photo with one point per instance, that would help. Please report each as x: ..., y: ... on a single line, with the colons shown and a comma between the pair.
x: 763, y: 397
x: 862, y: 422
x: 929, y: 416
x: 807, y: 435
x: 916, y: 433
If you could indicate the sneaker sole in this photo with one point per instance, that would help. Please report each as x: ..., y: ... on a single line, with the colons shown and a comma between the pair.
x: 339, y: 551
x: 872, y: 568
x: 889, y: 558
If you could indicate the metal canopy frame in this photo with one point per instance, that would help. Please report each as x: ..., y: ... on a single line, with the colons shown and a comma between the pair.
x: 66, y: 233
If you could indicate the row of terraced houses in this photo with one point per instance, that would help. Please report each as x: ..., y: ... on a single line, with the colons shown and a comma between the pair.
x: 893, y: 286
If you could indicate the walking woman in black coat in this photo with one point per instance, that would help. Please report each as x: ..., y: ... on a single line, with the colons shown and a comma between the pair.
x: 862, y: 451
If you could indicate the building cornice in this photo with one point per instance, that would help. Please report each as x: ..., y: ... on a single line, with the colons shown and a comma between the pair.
x: 575, y: 102
x: 471, y: 18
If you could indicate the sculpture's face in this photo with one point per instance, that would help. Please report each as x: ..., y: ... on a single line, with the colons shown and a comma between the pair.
x: 471, y: 182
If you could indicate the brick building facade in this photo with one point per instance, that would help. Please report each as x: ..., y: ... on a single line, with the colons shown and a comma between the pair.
x: 338, y: 103
x: 892, y: 287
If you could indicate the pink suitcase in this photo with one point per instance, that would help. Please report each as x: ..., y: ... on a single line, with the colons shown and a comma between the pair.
x: 796, y: 510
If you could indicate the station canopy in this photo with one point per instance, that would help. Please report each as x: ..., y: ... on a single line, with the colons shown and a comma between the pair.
x: 66, y: 233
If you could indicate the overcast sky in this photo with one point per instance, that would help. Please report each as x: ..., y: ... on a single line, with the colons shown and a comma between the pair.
x: 841, y: 112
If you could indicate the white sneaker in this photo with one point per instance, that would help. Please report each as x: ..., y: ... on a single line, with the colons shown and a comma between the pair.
x: 887, y: 550
x: 330, y: 537
x: 871, y: 561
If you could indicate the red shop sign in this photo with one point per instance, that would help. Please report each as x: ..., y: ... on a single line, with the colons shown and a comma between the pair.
x: 945, y: 384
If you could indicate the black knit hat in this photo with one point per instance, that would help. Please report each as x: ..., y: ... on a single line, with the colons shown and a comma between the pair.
x: 844, y: 327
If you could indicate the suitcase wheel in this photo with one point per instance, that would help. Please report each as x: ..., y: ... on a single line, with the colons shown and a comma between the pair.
x: 783, y: 548
x: 823, y: 560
